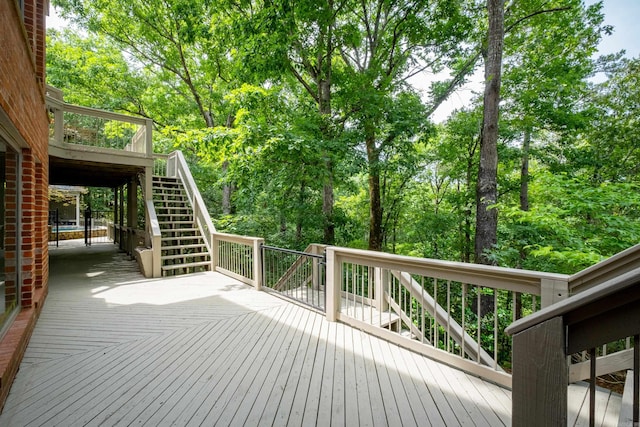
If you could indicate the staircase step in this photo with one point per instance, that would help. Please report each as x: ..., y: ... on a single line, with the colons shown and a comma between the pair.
x: 189, y: 265
x: 174, y: 208
x: 187, y: 255
x: 189, y: 246
x: 180, y: 238
x: 177, y: 223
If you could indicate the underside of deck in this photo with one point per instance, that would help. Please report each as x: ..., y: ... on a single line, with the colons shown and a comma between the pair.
x: 114, y: 348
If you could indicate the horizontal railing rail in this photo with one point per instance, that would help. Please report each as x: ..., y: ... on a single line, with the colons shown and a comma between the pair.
x: 454, y: 312
x: 295, y: 274
x: 604, y: 314
x: 614, y: 266
x: 238, y: 257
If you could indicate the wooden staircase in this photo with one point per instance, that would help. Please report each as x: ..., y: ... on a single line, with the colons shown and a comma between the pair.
x: 183, y: 247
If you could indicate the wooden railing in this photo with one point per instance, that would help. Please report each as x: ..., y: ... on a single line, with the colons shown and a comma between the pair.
x: 618, y: 264
x: 97, y: 130
x: 177, y: 167
x: 298, y: 275
x: 603, y: 314
x: 238, y: 257
x: 453, y: 312
x: 155, y: 238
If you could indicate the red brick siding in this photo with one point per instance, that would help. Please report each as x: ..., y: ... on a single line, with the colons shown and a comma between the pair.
x: 10, y: 202
x: 41, y: 226
x: 22, y: 75
x: 21, y: 79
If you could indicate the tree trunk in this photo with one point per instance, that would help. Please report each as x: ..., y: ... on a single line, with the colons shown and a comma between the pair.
x: 226, y: 191
x: 487, y: 188
x: 524, y: 172
x: 375, y: 200
x: 227, y: 187
x: 324, y: 107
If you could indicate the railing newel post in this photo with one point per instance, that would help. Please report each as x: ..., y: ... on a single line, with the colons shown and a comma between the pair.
x: 334, y: 280
x: 215, y: 251
x: 257, y: 263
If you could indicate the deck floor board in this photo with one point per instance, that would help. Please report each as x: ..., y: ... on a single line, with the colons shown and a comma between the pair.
x: 112, y: 348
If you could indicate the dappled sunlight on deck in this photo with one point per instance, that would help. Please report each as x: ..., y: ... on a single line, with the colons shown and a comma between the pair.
x: 203, y: 349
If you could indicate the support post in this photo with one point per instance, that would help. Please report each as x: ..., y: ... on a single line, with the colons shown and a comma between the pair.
x: 121, y: 219
x: 115, y: 215
x: 148, y: 134
x: 215, y: 252
x: 540, y: 375
x: 148, y: 196
x: 332, y: 288
x: 257, y: 263
x: 553, y: 291
x: 380, y: 281
x: 132, y: 213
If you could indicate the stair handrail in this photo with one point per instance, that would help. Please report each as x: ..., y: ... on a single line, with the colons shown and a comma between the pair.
x: 177, y: 167
x: 619, y: 263
x: 542, y: 341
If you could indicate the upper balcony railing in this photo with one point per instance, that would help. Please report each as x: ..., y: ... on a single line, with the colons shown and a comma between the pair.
x: 96, y: 130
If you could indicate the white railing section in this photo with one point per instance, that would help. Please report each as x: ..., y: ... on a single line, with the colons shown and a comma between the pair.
x: 604, y: 314
x: 432, y: 306
x: 160, y: 164
x: 97, y: 130
x: 154, y: 234
x: 177, y: 167
x: 238, y: 257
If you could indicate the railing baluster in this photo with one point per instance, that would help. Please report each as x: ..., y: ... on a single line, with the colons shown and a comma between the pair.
x: 495, y: 328
x: 422, y: 331
x: 592, y: 387
x: 479, y: 331
x: 464, y: 307
x: 435, y: 319
x: 636, y: 381
x: 448, y: 314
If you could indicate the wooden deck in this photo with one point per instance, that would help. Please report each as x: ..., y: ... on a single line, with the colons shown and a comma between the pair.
x: 113, y: 348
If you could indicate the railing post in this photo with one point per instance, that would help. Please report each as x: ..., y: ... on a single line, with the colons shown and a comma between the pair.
x: 257, y: 263
x: 58, y: 130
x: 553, y: 291
x: 215, y: 252
x: 171, y: 165
x: 380, y: 282
x: 148, y: 195
x: 334, y: 281
x: 156, y: 255
x: 540, y: 375
x: 149, y: 137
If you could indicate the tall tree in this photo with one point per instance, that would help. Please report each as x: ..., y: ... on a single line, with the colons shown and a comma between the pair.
x: 389, y: 41
x: 487, y: 188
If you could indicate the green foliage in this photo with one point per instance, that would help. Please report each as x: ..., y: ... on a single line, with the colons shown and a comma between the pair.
x: 573, y: 224
x: 276, y: 100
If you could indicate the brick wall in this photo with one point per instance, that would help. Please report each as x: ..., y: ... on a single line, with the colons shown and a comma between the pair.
x: 22, y: 76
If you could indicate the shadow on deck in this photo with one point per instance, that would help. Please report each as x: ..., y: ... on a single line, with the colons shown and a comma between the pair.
x: 114, y: 348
